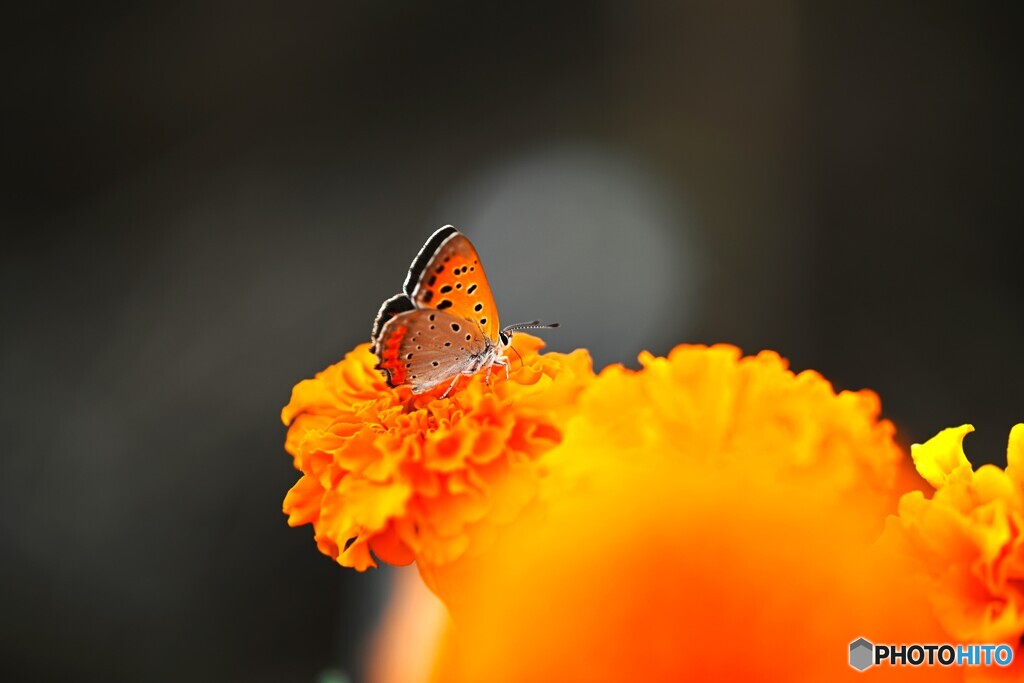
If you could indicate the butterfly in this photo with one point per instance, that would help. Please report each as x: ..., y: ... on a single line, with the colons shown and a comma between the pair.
x: 444, y: 324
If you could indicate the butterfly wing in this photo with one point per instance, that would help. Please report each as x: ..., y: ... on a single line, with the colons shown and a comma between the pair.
x: 447, y: 276
x: 424, y: 347
x: 419, y: 263
x: 399, y: 303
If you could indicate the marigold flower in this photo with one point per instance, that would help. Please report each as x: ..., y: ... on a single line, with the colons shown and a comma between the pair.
x: 406, y: 476
x: 968, y: 541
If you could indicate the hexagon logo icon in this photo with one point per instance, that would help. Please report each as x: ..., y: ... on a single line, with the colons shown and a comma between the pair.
x: 861, y: 654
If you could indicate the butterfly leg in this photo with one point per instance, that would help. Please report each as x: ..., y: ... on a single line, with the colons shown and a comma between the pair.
x: 487, y: 377
x: 451, y: 386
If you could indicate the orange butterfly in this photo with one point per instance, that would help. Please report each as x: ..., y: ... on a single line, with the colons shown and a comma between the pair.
x: 445, y: 323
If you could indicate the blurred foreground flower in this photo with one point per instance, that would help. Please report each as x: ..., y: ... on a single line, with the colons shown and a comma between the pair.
x: 710, y: 517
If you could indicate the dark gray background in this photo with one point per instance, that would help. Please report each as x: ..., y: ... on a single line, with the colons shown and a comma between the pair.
x: 207, y: 201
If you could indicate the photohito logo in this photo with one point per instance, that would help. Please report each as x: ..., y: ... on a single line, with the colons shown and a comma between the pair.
x: 862, y: 652
x: 864, y: 655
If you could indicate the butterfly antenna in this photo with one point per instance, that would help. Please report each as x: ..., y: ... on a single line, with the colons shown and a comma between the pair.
x: 532, y: 325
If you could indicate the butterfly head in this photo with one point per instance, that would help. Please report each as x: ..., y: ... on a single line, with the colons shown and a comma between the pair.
x: 505, y: 336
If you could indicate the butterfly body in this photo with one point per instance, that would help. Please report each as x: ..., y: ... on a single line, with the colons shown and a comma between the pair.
x: 425, y: 349
x: 444, y: 324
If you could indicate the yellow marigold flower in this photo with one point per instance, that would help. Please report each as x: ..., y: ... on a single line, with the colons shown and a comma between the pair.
x: 968, y: 540
x: 406, y: 476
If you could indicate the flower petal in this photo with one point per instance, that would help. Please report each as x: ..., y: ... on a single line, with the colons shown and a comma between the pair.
x: 941, y: 459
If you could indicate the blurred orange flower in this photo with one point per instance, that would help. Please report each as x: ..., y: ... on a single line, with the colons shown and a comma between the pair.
x: 709, y: 517
x: 406, y: 476
x: 968, y: 541
x: 686, y: 574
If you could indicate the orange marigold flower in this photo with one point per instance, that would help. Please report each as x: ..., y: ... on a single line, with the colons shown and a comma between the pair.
x: 406, y: 476
x: 968, y: 541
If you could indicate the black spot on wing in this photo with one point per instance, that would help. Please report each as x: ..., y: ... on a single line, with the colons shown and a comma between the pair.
x: 423, y: 258
x: 444, y: 304
x: 399, y: 303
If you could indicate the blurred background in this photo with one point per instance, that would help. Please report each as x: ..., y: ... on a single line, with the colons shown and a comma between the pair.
x: 207, y: 201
